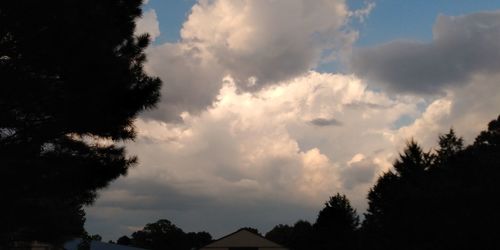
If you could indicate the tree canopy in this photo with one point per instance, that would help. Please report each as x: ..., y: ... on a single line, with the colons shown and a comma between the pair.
x: 335, y: 228
x: 72, y: 84
x: 440, y: 199
x: 280, y: 234
x: 163, y: 234
x: 337, y: 224
x: 444, y: 199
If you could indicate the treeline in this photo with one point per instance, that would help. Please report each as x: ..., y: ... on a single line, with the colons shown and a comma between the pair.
x: 163, y: 234
x: 445, y: 198
x: 335, y: 228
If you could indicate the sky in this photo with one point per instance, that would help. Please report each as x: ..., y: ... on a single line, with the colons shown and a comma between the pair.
x: 270, y: 107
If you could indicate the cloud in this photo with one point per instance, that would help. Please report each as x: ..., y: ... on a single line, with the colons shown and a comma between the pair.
x: 191, y: 80
x: 358, y: 170
x: 268, y: 40
x: 322, y: 122
x: 148, y: 23
x: 467, y: 109
x: 255, y: 154
x: 257, y: 43
x: 462, y: 46
x: 363, y: 13
x: 217, y: 218
x: 231, y: 143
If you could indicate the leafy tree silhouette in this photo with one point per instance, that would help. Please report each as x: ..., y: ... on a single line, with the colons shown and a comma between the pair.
x: 124, y: 241
x: 280, y: 234
x: 449, y: 146
x: 302, y: 236
x: 72, y: 85
x: 336, y: 225
x: 296, y: 237
x: 413, y: 162
x: 198, y: 239
x: 335, y: 228
x: 163, y: 234
x: 160, y: 235
x: 440, y: 200
x: 400, y: 203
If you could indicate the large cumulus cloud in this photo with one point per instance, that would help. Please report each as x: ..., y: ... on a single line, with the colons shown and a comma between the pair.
x: 256, y: 159
x: 257, y: 43
x: 268, y: 40
x: 258, y: 153
x: 148, y: 23
x: 467, y: 109
x: 263, y: 140
x: 462, y: 47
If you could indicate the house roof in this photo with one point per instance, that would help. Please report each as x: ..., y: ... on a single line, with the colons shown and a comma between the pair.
x: 243, y: 238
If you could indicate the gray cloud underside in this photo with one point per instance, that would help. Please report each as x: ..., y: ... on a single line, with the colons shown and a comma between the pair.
x: 150, y: 201
x: 359, y: 172
x: 462, y: 46
x: 257, y: 43
x: 323, y: 122
x: 259, y: 160
x: 362, y: 105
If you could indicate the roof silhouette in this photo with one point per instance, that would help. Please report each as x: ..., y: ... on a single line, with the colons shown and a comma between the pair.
x: 243, y: 238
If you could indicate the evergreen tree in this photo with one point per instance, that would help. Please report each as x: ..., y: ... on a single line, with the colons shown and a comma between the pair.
x: 281, y: 234
x: 449, y: 146
x: 413, y: 162
x: 446, y: 200
x: 397, y: 203
x: 302, y: 236
x: 72, y: 83
x: 336, y: 225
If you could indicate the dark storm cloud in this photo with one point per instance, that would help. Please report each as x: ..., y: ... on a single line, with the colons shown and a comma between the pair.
x: 189, y: 83
x: 323, y: 122
x: 358, y: 173
x: 138, y: 195
x: 115, y: 216
x: 462, y: 46
x: 364, y: 105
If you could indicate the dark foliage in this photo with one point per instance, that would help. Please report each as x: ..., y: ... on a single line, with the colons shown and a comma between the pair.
x: 335, y: 228
x: 71, y: 77
x: 302, y: 236
x: 296, y: 237
x: 336, y: 225
x: 160, y: 235
x: 280, y: 234
x: 391, y: 201
x: 96, y: 237
x: 443, y: 200
x: 124, y: 241
x: 165, y: 235
x: 198, y: 239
